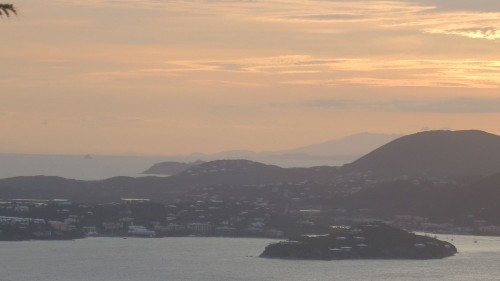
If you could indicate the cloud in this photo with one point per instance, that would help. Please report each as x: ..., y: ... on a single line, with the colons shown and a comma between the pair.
x: 186, y: 5
x: 490, y: 33
x: 325, y: 71
x: 482, y: 17
x: 336, y: 104
x: 465, y: 105
x: 463, y: 5
x: 328, y: 17
x: 227, y: 83
x: 458, y: 105
x: 344, y: 60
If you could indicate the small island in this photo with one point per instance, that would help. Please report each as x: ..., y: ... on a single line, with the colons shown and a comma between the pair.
x: 365, y: 241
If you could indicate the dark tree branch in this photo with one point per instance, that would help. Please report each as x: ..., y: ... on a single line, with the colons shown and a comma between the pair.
x: 7, y: 10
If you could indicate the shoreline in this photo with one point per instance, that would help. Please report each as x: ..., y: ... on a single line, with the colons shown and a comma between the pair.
x: 429, y: 234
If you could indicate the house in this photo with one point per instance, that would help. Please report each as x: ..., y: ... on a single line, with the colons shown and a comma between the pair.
x: 170, y: 228
x: 203, y: 227
x: 43, y: 234
x: 89, y: 230
x: 112, y: 226
x: 225, y: 231
x: 62, y: 226
x: 141, y: 231
x: 22, y: 209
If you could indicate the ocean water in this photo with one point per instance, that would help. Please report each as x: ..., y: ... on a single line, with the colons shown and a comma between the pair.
x: 102, y: 167
x: 75, y: 166
x: 231, y: 259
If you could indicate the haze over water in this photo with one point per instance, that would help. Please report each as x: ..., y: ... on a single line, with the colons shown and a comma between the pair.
x: 74, y: 166
x: 226, y: 259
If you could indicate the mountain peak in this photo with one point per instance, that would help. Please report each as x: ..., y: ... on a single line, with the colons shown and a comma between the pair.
x: 434, y: 153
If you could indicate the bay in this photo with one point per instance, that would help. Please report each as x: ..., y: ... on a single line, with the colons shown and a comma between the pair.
x: 219, y: 259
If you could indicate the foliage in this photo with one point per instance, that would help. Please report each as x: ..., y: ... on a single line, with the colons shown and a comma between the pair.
x: 7, y: 10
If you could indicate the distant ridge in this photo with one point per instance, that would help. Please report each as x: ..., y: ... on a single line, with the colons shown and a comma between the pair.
x: 246, y: 172
x: 330, y: 153
x: 434, y: 153
x: 170, y: 168
x: 220, y: 172
x: 357, y: 144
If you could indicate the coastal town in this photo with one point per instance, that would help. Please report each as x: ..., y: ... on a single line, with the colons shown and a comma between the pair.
x: 281, y: 212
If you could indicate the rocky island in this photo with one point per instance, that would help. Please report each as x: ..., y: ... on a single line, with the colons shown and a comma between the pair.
x: 366, y: 241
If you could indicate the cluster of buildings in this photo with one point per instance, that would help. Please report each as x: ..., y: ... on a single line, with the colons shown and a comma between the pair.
x: 280, y: 209
x: 137, y: 218
x: 418, y: 223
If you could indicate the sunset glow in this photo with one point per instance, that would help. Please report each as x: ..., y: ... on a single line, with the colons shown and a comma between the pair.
x: 173, y: 77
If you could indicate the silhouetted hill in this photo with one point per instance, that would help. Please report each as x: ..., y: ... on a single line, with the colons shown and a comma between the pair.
x: 434, y: 153
x: 42, y: 187
x: 246, y: 172
x: 170, y: 168
x: 221, y: 172
x: 477, y: 200
x: 402, y: 197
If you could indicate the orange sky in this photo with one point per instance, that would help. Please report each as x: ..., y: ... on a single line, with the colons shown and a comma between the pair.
x: 171, y: 77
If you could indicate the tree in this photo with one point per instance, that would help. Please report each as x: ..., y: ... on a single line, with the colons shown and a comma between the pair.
x: 7, y: 9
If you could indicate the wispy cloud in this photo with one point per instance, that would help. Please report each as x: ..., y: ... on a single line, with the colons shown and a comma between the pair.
x: 372, y: 72
x: 463, y: 5
x: 460, y: 18
x: 467, y: 105
x: 323, y: 71
x: 490, y: 33
x: 210, y: 70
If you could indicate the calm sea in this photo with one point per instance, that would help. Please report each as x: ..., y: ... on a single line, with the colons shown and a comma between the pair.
x: 220, y: 259
x: 100, y: 167
x: 74, y: 166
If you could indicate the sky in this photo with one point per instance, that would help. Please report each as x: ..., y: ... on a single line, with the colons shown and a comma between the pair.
x: 174, y: 77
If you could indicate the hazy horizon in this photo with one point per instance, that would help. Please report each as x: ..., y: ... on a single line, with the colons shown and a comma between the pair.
x: 358, y: 136
x: 150, y: 77
x: 98, y: 166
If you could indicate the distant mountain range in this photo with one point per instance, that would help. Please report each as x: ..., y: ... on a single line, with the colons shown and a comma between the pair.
x: 353, y: 145
x: 434, y: 173
x: 331, y: 153
x: 98, y: 167
x: 424, y: 154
